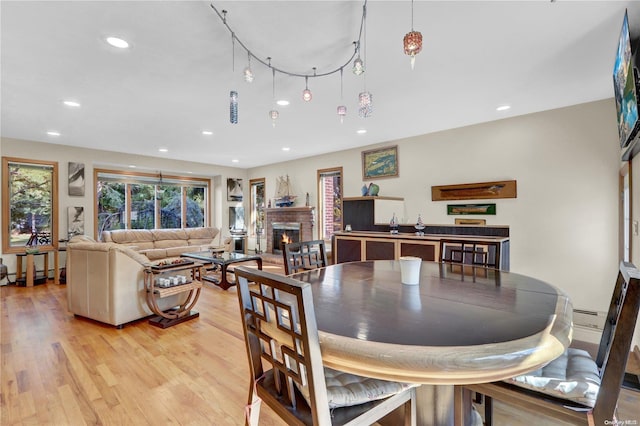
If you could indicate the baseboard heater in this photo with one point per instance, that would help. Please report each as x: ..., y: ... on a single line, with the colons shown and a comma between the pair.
x: 589, y: 319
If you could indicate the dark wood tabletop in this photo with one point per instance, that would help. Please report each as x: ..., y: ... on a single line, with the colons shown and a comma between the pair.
x: 459, y: 325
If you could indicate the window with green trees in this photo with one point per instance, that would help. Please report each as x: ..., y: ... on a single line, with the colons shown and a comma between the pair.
x: 29, y: 203
x: 149, y: 201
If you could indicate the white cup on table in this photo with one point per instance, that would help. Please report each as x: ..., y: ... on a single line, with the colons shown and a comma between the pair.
x: 410, y: 270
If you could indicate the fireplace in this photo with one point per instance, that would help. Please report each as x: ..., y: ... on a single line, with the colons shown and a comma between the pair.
x: 284, y: 232
x: 296, y: 222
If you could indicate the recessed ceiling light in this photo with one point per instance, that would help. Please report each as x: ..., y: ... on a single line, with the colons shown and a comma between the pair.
x: 283, y: 102
x: 163, y: 150
x: 207, y: 132
x: 286, y: 148
x: 361, y: 131
x: 132, y: 166
x: 71, y: 103
x: 235, y: 161
x: 53, y: 133
x: 117, y: 42
x: 503, y: 108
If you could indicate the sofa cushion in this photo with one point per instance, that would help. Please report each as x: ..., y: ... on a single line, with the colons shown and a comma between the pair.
x: 169, y: 243
x: 154, y: 254
x: 202, y: 236
x: 168, y: 234
x: 129, y: 236
x: 177, y: 251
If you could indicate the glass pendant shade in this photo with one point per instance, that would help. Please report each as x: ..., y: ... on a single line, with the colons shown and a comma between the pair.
x: 273, y: 114
x: 412, y: 45
x: 306, y: 95
x: 358, y: 66
x: 248, y: 74
x: 365, y: 109
x: 233, y: 107
x: 342, y: 112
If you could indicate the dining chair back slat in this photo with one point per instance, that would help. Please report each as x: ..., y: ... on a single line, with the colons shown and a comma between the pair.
x: 304, y: 255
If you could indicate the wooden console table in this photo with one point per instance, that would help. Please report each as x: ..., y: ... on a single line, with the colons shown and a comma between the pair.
x: 155, y: 290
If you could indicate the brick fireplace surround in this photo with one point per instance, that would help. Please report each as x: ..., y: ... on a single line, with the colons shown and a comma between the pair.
x: 303, y: 215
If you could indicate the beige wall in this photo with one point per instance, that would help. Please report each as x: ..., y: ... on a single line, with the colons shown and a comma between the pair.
x: 117, y: 161
x: 564, y: 222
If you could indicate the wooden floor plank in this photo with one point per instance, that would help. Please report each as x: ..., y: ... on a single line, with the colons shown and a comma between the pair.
x: 57, y: 369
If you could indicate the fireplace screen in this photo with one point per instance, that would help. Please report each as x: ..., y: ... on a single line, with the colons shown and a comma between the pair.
x: 285, y: 232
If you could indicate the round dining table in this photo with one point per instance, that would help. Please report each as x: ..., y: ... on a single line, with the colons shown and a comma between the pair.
x: 459, y: 325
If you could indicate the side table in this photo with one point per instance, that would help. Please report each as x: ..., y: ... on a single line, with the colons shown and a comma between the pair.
x: 31, y: 277
x: 155, y: 282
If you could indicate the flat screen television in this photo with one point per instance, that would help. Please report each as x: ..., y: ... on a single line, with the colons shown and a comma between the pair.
x: 624, y: 83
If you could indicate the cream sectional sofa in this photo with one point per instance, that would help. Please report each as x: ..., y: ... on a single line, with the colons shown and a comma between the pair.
x: 159, y: 244
x: 105, y: 280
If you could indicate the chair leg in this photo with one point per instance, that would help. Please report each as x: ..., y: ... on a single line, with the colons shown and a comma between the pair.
x: 488, y: 410
x: 252, y: 409
x: 410, y: 411
x: 461, y: 404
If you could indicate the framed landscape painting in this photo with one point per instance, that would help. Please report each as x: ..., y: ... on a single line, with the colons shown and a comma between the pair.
x: 380, y: 163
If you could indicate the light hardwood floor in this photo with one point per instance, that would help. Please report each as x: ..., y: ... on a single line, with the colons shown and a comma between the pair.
x: 60, y: 370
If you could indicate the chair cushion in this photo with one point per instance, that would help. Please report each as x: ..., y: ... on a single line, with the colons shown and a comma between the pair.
x: 573, y: 376
x: 344, y: 389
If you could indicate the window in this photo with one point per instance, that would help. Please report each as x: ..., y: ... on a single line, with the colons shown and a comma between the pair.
x: 149, y: 201
x: 29, y: 203
x: 257, y: 205
x: 330, y: 201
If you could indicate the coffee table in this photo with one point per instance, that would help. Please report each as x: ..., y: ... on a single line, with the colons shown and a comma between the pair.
x: 223, y: 260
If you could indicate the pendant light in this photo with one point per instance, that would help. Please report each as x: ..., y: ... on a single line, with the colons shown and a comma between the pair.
x: 248, y: 74
x: 342, y: 109
x: 412, y: 41
x: 273, y: 114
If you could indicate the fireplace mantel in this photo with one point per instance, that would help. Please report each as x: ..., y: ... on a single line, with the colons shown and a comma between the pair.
x: 303, y: 215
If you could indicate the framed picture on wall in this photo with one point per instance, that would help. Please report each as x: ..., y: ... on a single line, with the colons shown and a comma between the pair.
x: 234, y: 189
x: 75, y: 221
x: 380, y: 163
x: 76, y: 179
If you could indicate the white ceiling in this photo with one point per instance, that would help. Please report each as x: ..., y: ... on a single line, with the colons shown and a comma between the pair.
x: 174, y: 80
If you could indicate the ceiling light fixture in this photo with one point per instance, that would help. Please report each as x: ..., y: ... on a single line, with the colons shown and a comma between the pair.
x: 412, y: 41
x: 361, y: 131
x: 283, y: 102
x: 306, y: 93
x: 273, y: 114
x: 73, y: 104
x: 358, y: 65
x: 207, y: 132
x: 53, y: 133
x: 233, y: 107
x: 117, y: 42
x: 342, y: 109
x: 286, y: 148
x: 235, y: 160
x: 365, y: 107
x: 163, y: 150
x: 307, y: 96
x: 248, y: 74
x: 503, y: 108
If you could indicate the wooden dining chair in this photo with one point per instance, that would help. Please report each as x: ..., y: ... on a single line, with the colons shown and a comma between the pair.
x: 304, y: 255
x: 287, y: 374
x: 468, y: 252
x: 574, y: 387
